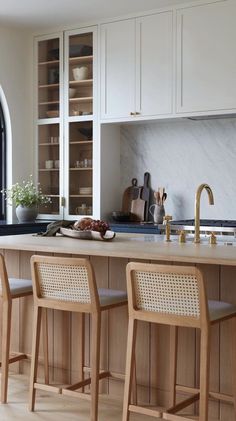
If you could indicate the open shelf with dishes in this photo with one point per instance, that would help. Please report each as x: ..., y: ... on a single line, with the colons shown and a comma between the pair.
x: 80, y: 74
x: 48, y: 154
x: 48, y: 70
x: 80, y: 167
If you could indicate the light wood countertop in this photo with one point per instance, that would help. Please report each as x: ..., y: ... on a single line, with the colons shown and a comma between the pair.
x: 131, y: 246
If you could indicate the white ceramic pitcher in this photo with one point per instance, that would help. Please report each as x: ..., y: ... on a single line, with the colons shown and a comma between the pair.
x: 158, y: 213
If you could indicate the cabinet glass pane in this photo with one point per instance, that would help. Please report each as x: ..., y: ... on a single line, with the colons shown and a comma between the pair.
x: 48, y: 78
x: 49, y: 165
x: 81, y: 74
x: 81, y: 168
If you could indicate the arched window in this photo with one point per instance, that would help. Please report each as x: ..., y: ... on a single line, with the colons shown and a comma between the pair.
x: 2, y: 163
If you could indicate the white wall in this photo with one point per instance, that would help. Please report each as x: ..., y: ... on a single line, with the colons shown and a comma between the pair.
x: 16, y: 82
x: 180, y: 155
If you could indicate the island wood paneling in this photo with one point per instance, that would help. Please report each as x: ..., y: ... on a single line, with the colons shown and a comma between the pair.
x: 153, y: 341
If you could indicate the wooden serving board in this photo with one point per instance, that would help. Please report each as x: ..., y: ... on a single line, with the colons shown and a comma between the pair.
x: 129, y: 194
x: 88, y: 235
x: 138, y: 207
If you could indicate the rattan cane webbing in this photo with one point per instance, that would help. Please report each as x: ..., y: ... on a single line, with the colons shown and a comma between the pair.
x: 64, y: 282
x: 170, y: 293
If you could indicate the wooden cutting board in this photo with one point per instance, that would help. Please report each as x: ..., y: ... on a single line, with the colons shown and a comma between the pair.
x: 129, y: 194
x: 138, y: 207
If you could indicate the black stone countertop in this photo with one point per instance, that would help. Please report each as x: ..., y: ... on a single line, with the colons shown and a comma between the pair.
x: 135, y: 227
x: 40, y: 225
x: 14, y: 228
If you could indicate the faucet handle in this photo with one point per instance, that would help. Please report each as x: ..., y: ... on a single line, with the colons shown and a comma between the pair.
x: 182, y: 237
x: 212, y: 238
x: 167, y: 218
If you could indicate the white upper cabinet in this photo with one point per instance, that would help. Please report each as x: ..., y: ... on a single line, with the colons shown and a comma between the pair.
x: 206, y: 59
x: 154, y: 64
x: 118, y: 68
x: 136, y: 67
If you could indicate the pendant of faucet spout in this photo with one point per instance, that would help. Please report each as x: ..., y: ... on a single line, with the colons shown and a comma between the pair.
x: 197, y: 208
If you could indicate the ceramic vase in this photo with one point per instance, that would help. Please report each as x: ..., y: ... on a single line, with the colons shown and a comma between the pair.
x: 26, y: 214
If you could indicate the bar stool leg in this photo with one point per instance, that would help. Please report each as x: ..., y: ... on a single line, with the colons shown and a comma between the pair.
x: 95, y: 364
x: 6, y: 335
x: 204, y: 373
x: 35, y: 354
x: 173, y: 363
x: 45, y: 344
x: 130, y: 359
x: 81, y: 330
x: 233, y: 326
x: 134, y: 385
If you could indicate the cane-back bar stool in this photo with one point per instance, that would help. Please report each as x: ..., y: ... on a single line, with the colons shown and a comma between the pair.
x: 69, y: 284
x: 10, y: 288
x: 175, y: 296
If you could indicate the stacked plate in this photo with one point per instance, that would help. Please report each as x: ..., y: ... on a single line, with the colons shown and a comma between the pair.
x: 85, y: 190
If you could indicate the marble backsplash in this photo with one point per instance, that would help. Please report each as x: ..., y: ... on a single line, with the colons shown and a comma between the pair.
x: 180, y: 155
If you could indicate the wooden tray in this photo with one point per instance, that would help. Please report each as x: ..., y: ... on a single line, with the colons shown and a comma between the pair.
x: 88, y: 235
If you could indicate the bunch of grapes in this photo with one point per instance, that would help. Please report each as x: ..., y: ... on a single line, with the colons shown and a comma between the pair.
x: 97, y: 225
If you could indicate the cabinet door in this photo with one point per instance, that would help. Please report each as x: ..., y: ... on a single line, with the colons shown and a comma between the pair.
x: 206, y: 59
x: 118, y: 69
x: 79, y: 122
x: 49, y: 133
x: 154, y: 64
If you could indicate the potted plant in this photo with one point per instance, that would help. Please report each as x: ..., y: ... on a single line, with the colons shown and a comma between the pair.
x: 27, y: 198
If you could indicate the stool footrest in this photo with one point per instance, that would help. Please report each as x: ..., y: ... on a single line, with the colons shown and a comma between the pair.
x: 174, y: 417
x: 213, y: 395
x: 183, y: 404
x: 48, y: 388
x: 75, y: 394
x: 155, y: 413
x: 16, y: 357
x: 86, y: 382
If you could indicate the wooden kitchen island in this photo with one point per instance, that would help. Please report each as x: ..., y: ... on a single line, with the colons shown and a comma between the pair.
x: 218, y: 262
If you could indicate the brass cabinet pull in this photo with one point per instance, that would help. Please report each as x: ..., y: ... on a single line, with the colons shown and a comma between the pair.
x: 134, y: 113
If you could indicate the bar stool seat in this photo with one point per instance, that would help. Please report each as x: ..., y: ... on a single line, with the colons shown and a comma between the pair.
x: 219, y: 310
x: 175, y: 296
x: 108, y: 296
x: 69, y: 284
x: 9, y: 289
x: 20, y: 286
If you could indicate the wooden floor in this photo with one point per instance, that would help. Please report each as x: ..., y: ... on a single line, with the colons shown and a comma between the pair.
x: 54, y: 407
x: 50, y: 406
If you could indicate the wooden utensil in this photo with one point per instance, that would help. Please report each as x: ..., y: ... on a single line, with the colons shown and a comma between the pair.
x: 161, y: 192
x: 138, y: 207
x: 146, y: 193
x: 129, y: 194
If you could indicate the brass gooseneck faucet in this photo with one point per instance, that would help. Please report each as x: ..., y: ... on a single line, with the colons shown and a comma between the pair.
x: 197, y: 208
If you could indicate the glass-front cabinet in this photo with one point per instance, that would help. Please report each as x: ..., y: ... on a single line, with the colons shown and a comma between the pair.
x: 49, y: 117
x: 66, y: 121
x: 80, y: 118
